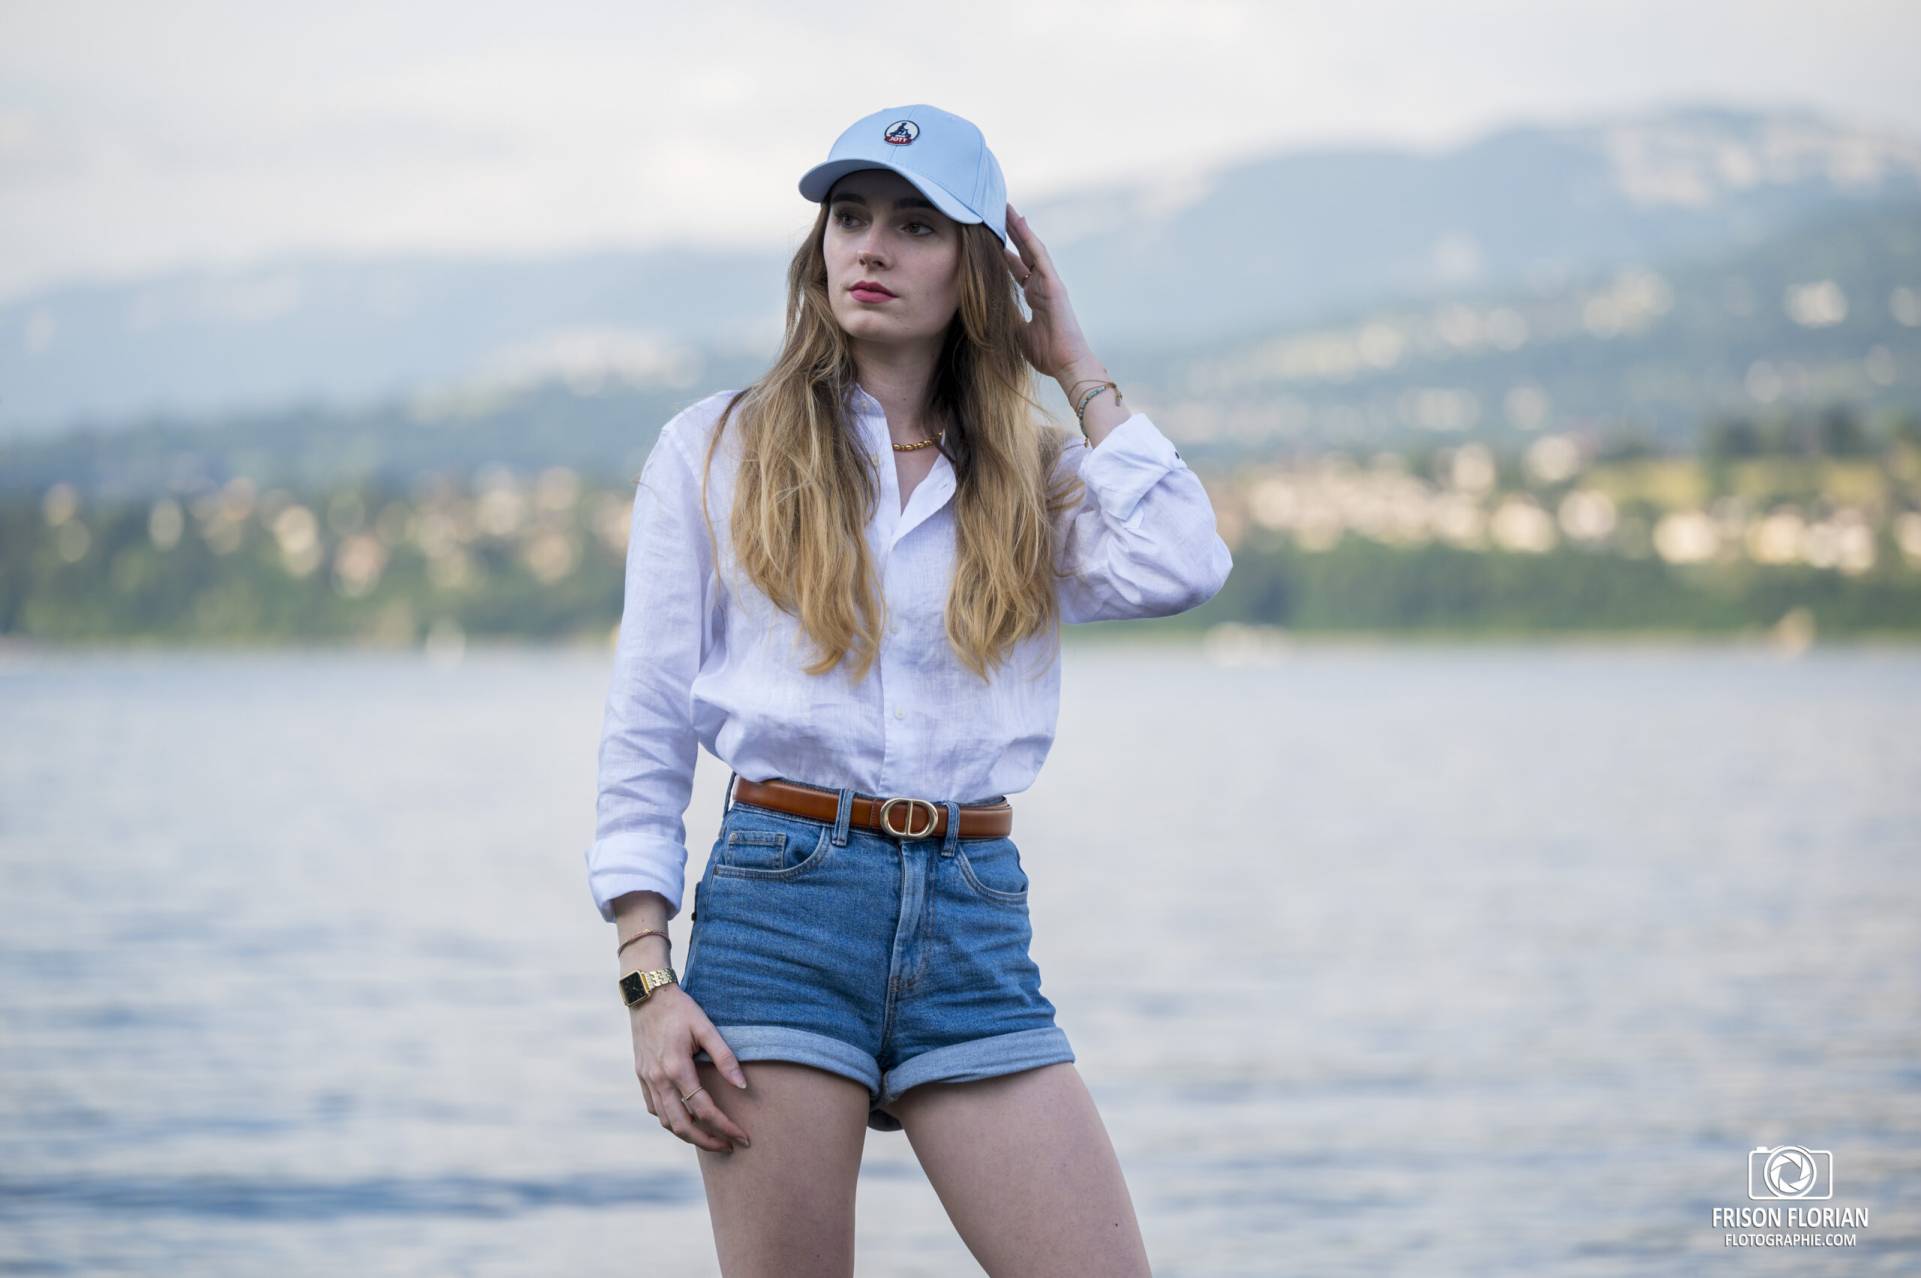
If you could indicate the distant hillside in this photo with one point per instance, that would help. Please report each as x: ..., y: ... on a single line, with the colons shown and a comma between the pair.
x: 1826, y: 313
x: 1270, y: 244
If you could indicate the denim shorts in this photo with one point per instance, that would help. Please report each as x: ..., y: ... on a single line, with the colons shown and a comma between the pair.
x: 893, y: 962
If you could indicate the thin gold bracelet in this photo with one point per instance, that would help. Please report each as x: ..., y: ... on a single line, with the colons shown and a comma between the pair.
x: 652, y: 931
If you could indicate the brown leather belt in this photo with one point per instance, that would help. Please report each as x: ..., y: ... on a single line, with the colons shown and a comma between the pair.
x: 897, y: 815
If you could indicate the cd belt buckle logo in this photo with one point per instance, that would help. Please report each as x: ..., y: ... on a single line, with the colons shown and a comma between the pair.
x: 887, y: 823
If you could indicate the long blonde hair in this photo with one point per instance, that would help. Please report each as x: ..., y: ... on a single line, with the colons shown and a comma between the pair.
x: 805, y: 494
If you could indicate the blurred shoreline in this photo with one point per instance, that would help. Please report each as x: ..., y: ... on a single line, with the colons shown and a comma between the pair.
x: 1227, y: 643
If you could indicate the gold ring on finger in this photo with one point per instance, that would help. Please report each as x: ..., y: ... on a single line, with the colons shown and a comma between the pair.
x: 690, y: 1095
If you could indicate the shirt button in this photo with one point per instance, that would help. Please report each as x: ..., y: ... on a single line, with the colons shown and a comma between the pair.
x: 899, y: 713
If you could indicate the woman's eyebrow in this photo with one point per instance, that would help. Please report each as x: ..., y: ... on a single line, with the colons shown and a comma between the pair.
x: 904, y: 202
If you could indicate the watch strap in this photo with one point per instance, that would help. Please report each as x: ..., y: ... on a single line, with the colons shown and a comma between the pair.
x: 637, y: 985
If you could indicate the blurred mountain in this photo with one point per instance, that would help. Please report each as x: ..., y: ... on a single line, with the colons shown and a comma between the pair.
x: 1292, y: 237
x: 1825, y: 311
x: 1644, y: 355
x: 1203, y: 278
x: 337, y: 332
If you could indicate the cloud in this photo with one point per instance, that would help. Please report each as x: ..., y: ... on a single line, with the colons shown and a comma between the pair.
x: 135, y: 137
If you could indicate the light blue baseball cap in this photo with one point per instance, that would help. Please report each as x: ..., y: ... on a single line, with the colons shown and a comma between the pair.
x: 942, y: 154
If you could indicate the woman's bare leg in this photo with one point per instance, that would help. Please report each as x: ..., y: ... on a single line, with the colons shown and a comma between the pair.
x: 783, y: 1207
x: 1026, y: 1171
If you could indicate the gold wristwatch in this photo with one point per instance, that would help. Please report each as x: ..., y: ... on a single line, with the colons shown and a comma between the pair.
x: 637, y: 985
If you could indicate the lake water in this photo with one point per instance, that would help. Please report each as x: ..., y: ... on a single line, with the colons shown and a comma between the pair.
x: 1413, y: 960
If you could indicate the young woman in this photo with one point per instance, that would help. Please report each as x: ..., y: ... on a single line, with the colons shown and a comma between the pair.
x: 847, y: 581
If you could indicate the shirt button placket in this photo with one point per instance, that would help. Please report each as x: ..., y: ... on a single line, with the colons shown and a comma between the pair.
x: 885, y: 674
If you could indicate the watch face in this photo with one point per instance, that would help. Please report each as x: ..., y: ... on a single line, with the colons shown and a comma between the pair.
x: 632, y: 987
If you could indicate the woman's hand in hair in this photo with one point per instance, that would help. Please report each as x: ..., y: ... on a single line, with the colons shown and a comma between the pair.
x: 1052, y: 339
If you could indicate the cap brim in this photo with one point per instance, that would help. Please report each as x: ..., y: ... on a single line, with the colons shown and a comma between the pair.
x: 819, y: 180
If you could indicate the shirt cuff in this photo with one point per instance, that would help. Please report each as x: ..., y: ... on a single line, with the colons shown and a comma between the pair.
x: 622, y: 863
x: 1129, y: 460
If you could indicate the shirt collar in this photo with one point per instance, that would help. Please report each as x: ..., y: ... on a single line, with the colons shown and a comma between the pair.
x: 928, y: 496
x: 863, y: 403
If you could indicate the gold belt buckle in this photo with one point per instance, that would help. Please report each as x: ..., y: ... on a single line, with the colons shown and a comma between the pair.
x: 887, y: 806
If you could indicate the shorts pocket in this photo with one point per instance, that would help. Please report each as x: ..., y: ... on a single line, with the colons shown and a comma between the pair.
x: 754, y: 850
x: 757, y: 843
x: 992, y: 868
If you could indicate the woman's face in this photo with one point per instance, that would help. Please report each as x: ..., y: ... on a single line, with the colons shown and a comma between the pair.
x: 881, y: 229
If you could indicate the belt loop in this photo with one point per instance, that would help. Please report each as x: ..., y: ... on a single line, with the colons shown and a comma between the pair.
x: 952, y: 840
x: 843, y: 816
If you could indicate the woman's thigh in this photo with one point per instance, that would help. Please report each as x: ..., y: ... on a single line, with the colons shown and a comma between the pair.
x: 784, y: 1205
x: 1027, y: 1173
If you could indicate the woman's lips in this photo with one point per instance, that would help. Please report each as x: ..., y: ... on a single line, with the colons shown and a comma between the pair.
x: 871, y: 295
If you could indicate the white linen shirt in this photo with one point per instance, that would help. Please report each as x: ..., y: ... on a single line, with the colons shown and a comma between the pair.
x: 699, y: 663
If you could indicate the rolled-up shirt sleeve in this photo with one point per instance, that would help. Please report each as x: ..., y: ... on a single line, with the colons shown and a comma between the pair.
x: 647, y: 746
x: 1143, y: 542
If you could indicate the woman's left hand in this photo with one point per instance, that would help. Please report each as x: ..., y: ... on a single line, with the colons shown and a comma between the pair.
x: 1052, y: 339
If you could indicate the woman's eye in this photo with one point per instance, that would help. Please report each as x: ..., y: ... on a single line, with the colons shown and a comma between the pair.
x: 843, y: 218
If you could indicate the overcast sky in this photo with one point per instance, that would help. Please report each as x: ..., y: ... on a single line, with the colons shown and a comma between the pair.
x: 140, y: 136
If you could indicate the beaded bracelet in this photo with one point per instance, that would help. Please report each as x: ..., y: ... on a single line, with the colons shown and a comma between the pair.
x: 1080, y: 409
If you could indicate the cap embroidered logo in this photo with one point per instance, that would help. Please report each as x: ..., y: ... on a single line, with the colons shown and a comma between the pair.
x: 901, y: 132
